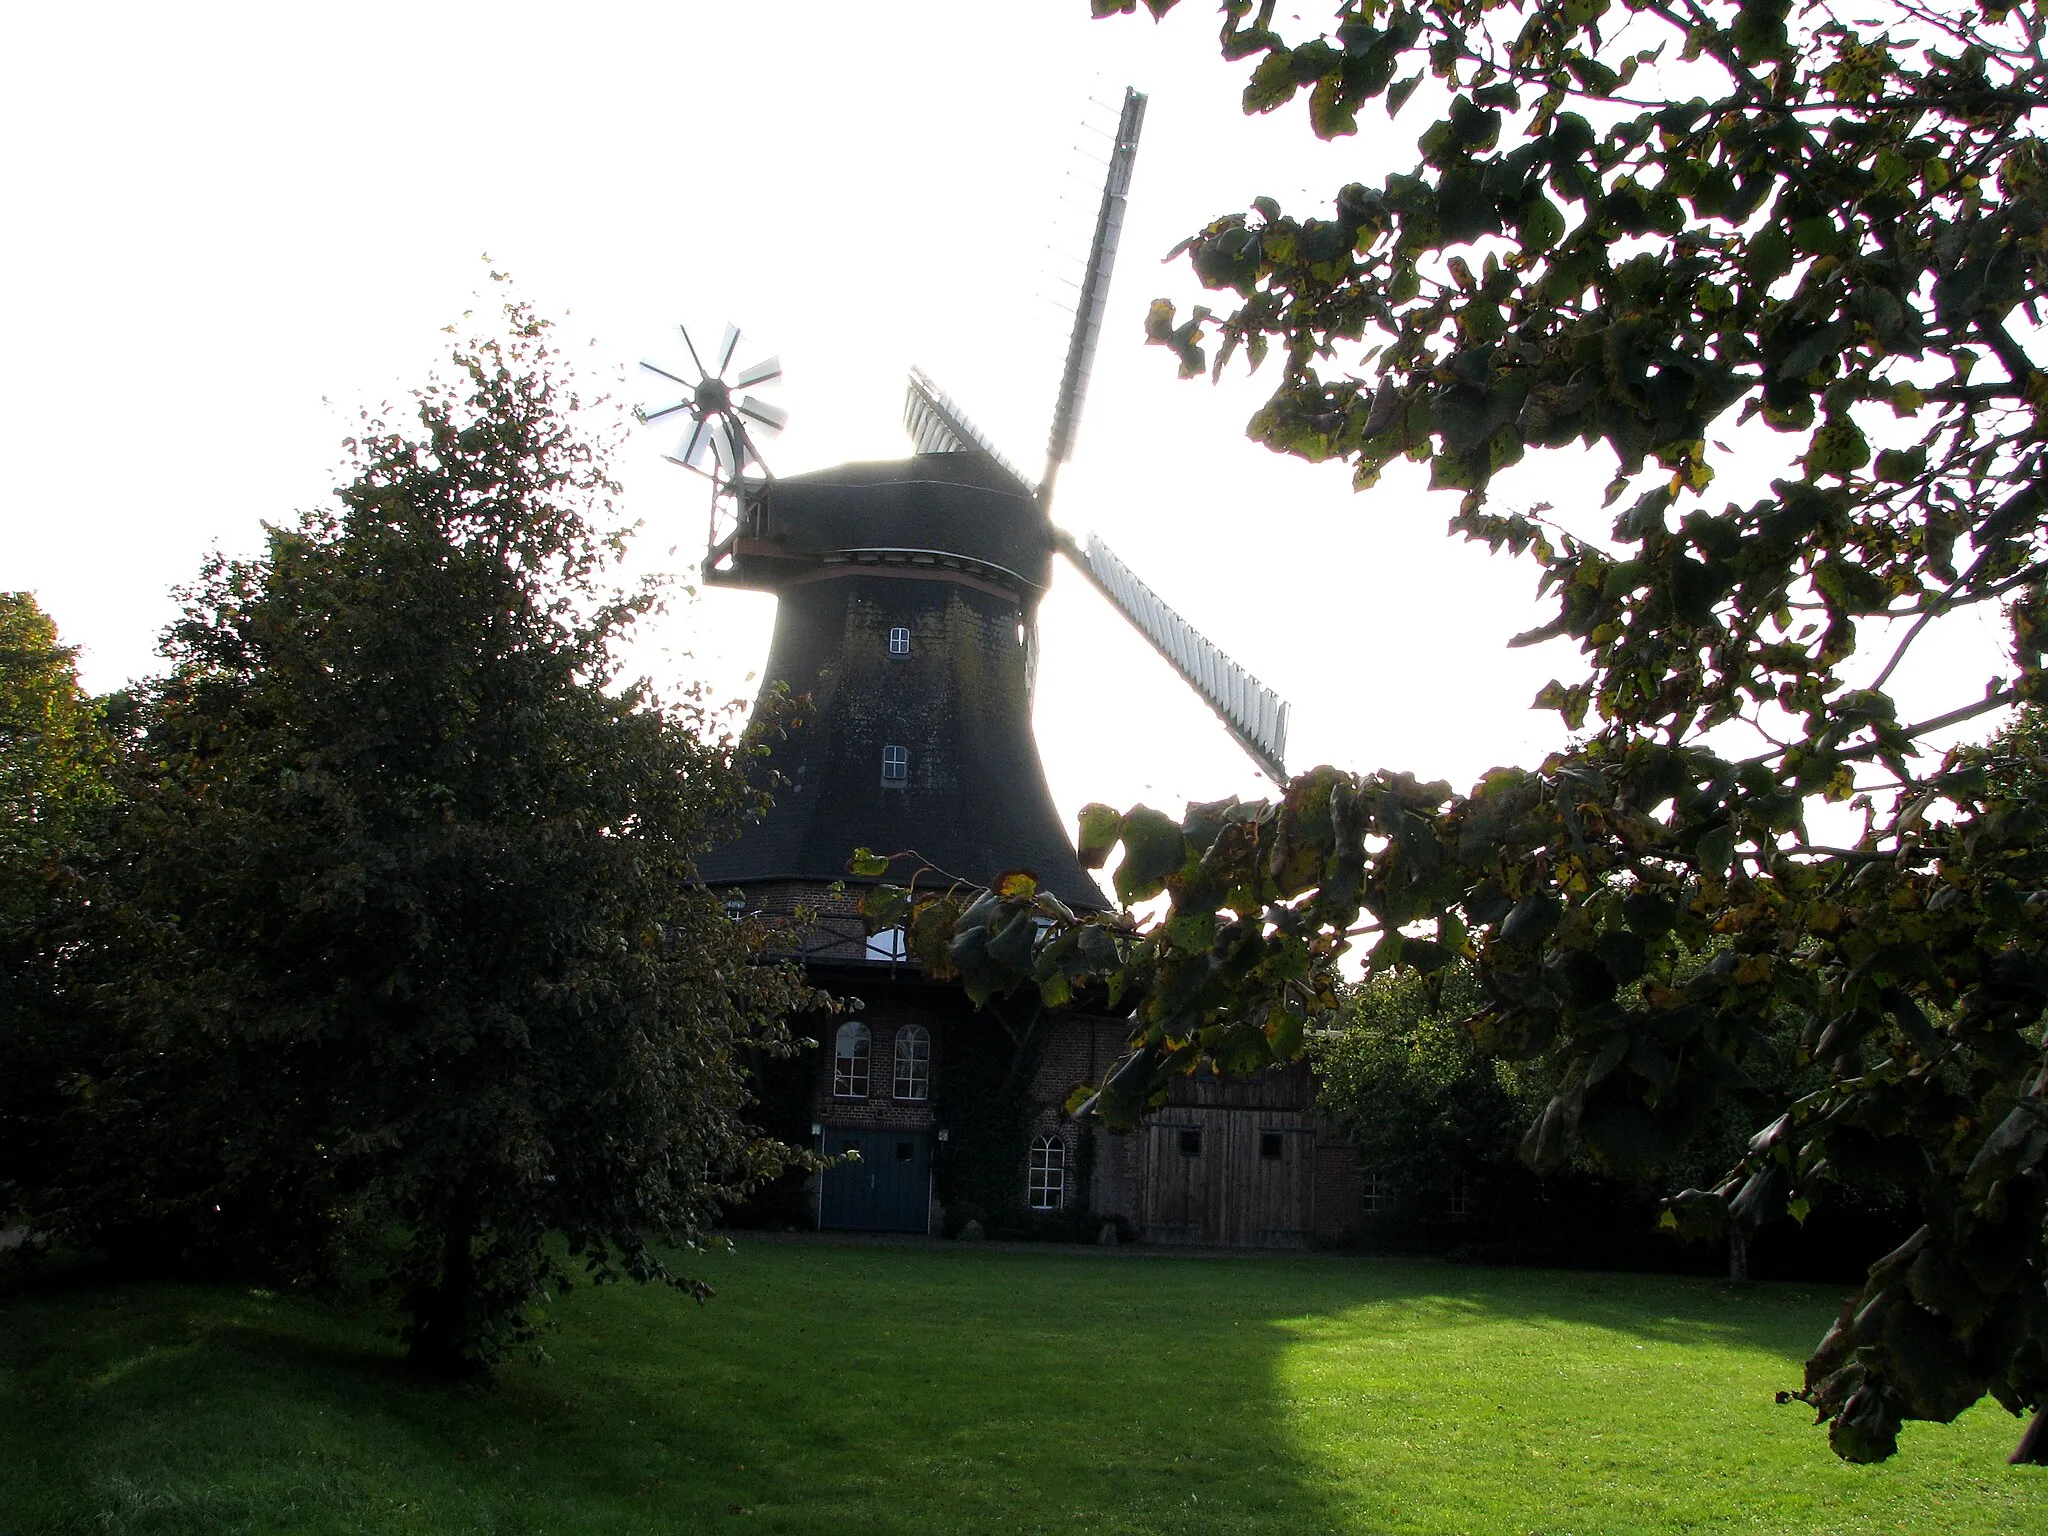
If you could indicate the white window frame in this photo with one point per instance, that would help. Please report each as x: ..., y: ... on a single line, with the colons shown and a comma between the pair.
x: 1376, y: 1197
x: 1046, y: 1186
x: 913, y: 1055
x: 899, y: 641
x: 895, y: 764
x: 852, y: 1052
x: 887, y: 945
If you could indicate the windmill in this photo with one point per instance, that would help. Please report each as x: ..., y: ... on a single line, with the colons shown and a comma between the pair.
x: 907, y: 599
x: 961, y: 507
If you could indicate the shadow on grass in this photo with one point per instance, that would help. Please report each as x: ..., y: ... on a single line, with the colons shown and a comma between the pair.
x: 827, y: 1390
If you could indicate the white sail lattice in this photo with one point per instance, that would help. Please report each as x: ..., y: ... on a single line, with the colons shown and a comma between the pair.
x: 1255, y: 714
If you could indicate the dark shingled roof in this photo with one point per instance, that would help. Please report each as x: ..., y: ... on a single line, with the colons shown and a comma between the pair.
x: 961, y: 504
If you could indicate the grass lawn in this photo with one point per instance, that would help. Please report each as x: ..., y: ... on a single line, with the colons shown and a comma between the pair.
x: 848, y: 1390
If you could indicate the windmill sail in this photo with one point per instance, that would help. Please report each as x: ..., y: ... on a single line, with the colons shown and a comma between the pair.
x: 1255, y: 716
x: 1254, y: 713
x: 936, y: 424
x: 1109, y: 228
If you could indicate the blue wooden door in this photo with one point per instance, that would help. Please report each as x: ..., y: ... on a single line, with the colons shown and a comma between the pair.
x: 887, y: 1190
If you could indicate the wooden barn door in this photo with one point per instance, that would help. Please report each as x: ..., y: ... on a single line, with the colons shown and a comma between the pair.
x: 1238, y: 1178
x: 1273, y: 1175
x: 1183, y: 1158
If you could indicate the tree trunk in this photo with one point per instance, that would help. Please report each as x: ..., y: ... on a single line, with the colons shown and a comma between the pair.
x: 2033, y: 1447
x: 1738, y: 1252
x: 440, y: 1327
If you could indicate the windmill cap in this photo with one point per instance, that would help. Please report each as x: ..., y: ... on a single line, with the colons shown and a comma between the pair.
x: 946, y: 506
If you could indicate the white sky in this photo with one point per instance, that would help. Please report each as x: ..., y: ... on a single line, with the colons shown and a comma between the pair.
x: 218, y: 219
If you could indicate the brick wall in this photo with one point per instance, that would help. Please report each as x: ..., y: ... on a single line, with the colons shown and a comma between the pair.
x: 1340, y: 1192
x: 1079, y: 1052
x: 881, y: 1109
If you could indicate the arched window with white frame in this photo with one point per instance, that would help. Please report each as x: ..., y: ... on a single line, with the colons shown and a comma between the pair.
x: 1048, y: 1185
x: 913, y: 1062
x: 850, y: 1052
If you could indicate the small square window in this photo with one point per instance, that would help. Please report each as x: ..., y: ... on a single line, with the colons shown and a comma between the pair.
x: 1191, y: 1142
x: 895, y: 764
x: 1270, y: 1146
x: 899, y: 642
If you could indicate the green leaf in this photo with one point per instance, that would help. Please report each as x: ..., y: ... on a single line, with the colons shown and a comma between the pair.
x: 867, y: 862
x: 1715, y: 851
x: 1900, y: 465
x: 1101, y: 826
x: 1770, y: 256
x: 1837, y: 448
x: 1331, y: 112
x: 1154, y: 848
x: 1192, y: 932
x: 1532, y: 918
x: 1273, y: 82
x: 885, y: 906
x: 1541, y: 224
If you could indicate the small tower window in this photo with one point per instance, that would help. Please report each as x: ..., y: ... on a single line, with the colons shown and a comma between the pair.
x: 850, y: 1054
x: 899, y: 642
x: 895, y: 765
x: 914, y: 1062
x: 1048, y: 1186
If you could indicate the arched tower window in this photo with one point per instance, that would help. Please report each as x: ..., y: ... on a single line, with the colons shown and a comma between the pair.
x: 895, y: 764
x: 850, y: 1061
x: 913, y: 1062
x: 899, y: 641
x: 1048, y: 1186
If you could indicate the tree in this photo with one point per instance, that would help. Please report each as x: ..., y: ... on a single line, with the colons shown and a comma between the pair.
x: 1421, y: 1106
x: 1418, y: 1104
x: 427, y: 962
x: 1639, y: 226
x: 55, y: 796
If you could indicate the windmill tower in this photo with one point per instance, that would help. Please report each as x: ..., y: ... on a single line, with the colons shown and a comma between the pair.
x: 907, y: 612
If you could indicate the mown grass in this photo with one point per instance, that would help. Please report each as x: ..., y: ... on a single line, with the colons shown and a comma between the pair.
x: 851, y: 1390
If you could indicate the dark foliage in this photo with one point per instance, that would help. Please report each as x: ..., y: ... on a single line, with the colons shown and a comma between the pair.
x: 1429, y: 1116
x: 416, y: 969
x: 56, y: 801
x: 1835, y: 232
x: 983, y: 1079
